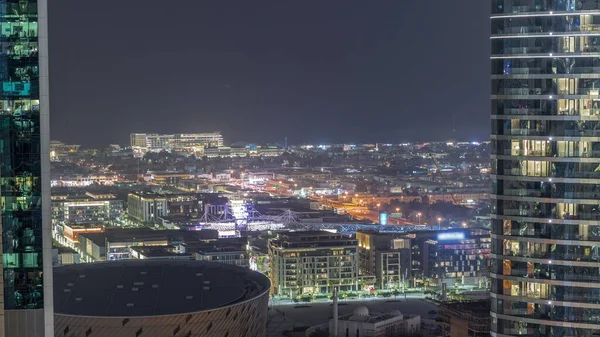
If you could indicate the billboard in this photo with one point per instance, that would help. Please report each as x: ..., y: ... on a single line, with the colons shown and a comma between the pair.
x: 383, y: 218
x: 444, y: 236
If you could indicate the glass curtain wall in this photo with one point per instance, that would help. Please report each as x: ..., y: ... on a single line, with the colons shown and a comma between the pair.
x: 20, y: 155
x: 545, y: 103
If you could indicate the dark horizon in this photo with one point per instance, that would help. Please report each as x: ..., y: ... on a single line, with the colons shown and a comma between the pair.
x: 314, y: 72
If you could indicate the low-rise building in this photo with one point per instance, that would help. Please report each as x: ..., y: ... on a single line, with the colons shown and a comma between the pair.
x: 86, y: 209
x: 115, y: 243
x: 361, y: 323
x: 146, y: 207
x: 228, y: 250
x: 59, y: 150
x: 171, y: 209
x: 158, y: 252
x: 62, y: 256
x: 466, y: 319
x: 313, y: 262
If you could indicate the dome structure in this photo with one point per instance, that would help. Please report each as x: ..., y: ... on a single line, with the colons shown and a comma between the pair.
x: 361, y: 311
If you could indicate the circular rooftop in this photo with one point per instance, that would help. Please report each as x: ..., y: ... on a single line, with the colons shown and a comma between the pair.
x: 152, y: 287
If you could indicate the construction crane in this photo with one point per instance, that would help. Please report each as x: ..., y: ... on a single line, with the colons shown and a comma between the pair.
x: 455, y: 199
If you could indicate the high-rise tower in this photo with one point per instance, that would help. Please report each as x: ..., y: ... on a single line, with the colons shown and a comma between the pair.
x: 24, y: 170
x: 546, y: 167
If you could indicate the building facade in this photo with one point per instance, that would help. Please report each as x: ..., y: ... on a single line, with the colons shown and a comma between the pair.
x: 232, y: 251
x: 146, y: 207
x: 386, y: 257
x: 313, y: 262
x: 362, y: 323
x: 24, y: 170
x: 453, y: 256
x: 465, y: 319
x: 86, y: 210
x: 545, y: 107
x: 191, y: 142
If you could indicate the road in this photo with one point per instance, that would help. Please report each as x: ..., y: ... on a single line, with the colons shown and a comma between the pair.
x: 356, y: 211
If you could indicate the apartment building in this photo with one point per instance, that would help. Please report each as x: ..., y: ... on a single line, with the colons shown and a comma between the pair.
x: 313, y: 262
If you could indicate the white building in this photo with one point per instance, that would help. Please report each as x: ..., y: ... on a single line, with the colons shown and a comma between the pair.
x: 146, y: 207
x: 191, y: 142
x: 361, y: 323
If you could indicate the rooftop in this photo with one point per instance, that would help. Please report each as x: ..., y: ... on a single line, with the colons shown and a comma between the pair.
x: 113, y: 235
x: 159, y: 251
x: 152, y: 287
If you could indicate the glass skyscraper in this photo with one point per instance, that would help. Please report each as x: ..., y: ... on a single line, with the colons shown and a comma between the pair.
x: 546, y: 167
x: 24, y: 169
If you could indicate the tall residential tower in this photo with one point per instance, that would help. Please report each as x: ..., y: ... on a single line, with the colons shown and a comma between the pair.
x: 24, y: 171
x: 546, y: 167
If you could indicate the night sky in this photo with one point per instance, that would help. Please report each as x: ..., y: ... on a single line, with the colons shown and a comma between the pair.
x: 259, y: 71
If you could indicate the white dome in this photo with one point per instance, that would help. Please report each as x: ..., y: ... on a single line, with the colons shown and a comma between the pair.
x: 395, y: 313
x: 361, y: 311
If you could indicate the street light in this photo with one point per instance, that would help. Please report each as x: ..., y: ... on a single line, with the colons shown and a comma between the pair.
x: 419, y: 217
x: 464, y: 224
x: 439, y: 221
x: 378, y: 205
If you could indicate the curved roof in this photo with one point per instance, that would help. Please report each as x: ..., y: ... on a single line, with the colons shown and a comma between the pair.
x: 152, y: 287
x: 361, y: 311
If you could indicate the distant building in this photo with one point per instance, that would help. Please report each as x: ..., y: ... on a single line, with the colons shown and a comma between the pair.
x: 467, y: 319
x: 146, y: 207
x: 188, y: 142
x: 69, y: 233
x: 449, y: 256
x: 158, y: 252
x: 385, y: 256
x: 59, y: 150
x: 452, y: 256
x: 361, y: 323
x: 269, y: 151
x: 166, y: 178
x: 225, y: 151
x: 62, y: 256
x: 313, y: 262
x: 174, y: 209
x: 81, y: 180
x: 115, y: 243
x: 229, y: 251
x: 86, y: 209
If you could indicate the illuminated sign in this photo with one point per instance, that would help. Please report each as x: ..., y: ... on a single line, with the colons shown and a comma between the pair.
x: 383, y: 218
x: 451, y: 236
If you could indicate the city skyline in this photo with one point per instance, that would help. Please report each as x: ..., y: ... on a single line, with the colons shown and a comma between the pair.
x: 288, y: 70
